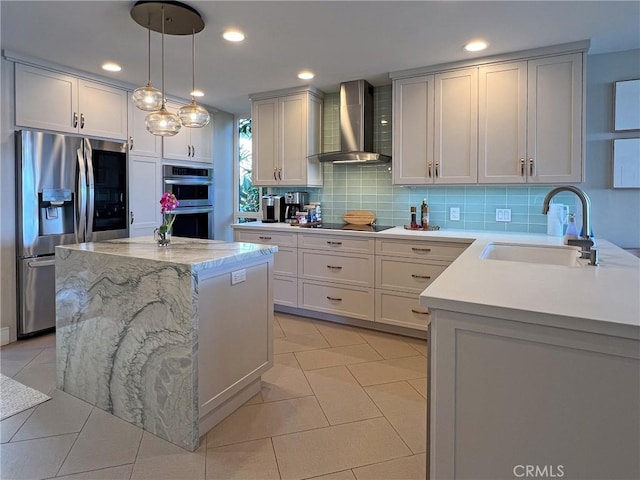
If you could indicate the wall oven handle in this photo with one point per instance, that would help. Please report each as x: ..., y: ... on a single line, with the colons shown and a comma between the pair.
x: 191, y: 210
x: 190, y: 181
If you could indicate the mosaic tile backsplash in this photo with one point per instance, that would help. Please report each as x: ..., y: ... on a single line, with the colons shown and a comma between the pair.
x: 352, y: 187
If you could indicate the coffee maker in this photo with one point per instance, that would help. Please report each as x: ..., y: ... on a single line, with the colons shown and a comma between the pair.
x: 294, y: 203
x: 273, y: 208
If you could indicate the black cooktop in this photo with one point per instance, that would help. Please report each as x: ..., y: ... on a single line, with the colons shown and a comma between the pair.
x: 349, y: 226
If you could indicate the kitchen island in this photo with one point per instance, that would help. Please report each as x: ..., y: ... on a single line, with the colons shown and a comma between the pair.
x: 534, y: 367
x: 164, y: 337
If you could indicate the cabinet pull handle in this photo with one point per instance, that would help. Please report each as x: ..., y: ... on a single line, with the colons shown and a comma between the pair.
x: 75, y: 119
x: 333, y: 243
x: 131, y: 217
x: 264, y: 238
x: 193, y: 150
x: 426, y: 277
x: 130, y: 143
x: 82, y: 120
x: 334, y: 299
x: 279, y: 174
x: 275, y: 174
x: 333, y: 267
x: 437, y: 165
x: 521, y: 162
x: 416, y: 249
x: 419, y: 312
x: 532, y: 169
x: 429, y: 169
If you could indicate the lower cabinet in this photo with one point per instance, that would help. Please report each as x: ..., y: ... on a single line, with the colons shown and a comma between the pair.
x: 349, y: 301
x: 403, y: 309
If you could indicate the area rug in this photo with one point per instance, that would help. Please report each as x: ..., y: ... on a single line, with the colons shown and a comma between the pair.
x: 16, y: 397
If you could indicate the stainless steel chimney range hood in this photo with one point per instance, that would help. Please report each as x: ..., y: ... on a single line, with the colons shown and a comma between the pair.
x: 356, y: 127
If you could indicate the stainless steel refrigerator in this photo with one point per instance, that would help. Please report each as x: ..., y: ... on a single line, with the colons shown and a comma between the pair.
x: 69, y: 190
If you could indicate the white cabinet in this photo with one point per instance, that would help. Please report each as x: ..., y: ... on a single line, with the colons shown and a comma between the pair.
x: 531, y: 119
x: 286, y: 129
x: 191, y: 144
x: 145, y: 190
x: 54, y: 101
x: 435, y: 128
x: 141, y: 142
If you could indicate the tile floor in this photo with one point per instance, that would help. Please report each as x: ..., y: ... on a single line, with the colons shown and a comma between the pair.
x: 339, y: 403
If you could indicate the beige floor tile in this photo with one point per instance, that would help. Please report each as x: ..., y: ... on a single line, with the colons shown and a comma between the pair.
x: 341, y: 396
x: 336, y: 448
x: 9, y: 426
x: 339, y: 335
x: 251, y: 422
x: 343, y: 475
x: 388, y: 371
x: 406, y: 468
x: 11, y: 368
x: 405, y: 409
x: 420, y: 384
x: 418, y: 344
x: 299, y: 343
x: 105, y: 441
x: 284, y: 380
x: 41, y: 376
x: 60, y: 415
x: 248, y: 460
x: 294, y: 325
x: 257, y: 398
x: 333, y: 357
x: 123, y: 472
x: 277, y: 330
x: 47, y: 355
x: 388, y: 345
x: 38, y: 458
x: 161, y: 460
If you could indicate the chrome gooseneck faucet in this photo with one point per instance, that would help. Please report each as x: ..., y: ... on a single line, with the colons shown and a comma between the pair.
x: 585, y: 243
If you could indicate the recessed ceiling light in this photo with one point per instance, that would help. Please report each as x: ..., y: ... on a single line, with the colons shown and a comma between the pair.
x: 197, y: 93
x: 306, y: 75
x: 233, y: 36
x: 111, y: 67
x: 476, y: 46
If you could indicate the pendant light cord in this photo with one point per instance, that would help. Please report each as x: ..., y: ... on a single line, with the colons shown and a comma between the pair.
x: 163, y: 99
x: 193, y: 62
x: 149, y: 50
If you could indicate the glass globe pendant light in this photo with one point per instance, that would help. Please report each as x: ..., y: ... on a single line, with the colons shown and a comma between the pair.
x: 163, y: 122
x: 147, y: 98
x: 192, y: 115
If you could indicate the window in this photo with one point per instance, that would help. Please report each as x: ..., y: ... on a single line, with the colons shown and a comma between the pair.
x: 247, y: 198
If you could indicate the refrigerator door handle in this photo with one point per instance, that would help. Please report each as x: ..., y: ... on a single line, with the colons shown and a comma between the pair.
x: 41, y: 263
x: 88, y: 154
x: 81, y: 207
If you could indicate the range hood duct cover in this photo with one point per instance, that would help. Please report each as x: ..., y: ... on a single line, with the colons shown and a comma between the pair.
x: 356, y: 126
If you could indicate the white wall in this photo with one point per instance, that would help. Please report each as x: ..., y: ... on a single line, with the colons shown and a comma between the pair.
x: 615, y: 213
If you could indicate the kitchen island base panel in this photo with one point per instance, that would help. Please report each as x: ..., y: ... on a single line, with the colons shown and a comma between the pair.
x: 506, y: 393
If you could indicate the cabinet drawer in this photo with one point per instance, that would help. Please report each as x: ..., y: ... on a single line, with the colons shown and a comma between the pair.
x: 282, y: 239
x: 285, y: 261
x: 285, y: 291
x: 401, y: 309
x: 406, y: 275
x: 336, y: 243
x: 343, y: 300
x: 427, y: 250
x: 334, y: 267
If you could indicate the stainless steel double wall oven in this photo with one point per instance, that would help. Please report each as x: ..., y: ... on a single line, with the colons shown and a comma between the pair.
x: 193, y: 187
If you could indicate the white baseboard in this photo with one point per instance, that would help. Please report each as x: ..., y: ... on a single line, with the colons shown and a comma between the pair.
x: 4, y: 335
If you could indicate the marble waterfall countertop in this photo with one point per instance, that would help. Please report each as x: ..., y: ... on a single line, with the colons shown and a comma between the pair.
x: 603, y: 299
x: 128, y: 325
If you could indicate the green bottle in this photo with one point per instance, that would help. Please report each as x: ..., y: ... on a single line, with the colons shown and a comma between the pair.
x: 424, y: 209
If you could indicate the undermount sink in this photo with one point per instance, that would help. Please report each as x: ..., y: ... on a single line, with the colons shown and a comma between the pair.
x: 546, y: 254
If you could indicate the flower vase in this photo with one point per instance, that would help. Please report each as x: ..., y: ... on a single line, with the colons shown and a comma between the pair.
x: 163, y: 237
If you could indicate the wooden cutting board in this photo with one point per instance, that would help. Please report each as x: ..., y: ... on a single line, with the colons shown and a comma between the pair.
x: 359, y: 217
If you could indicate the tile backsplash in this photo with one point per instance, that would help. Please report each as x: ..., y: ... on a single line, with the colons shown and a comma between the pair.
x: 353, y: 187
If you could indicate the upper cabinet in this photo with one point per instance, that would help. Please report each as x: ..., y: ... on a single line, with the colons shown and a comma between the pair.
x: 435, y: 138
x: 286, y: 129
x: 53, y: 101
x: 141, y: 142
x: 531, y: 121
x: 516, y: 118
x: 191, y: 144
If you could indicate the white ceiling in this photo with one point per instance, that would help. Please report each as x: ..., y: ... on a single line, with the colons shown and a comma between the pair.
x: 337, y: 40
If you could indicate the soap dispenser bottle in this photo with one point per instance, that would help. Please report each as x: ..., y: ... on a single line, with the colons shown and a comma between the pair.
x: 572, y: 229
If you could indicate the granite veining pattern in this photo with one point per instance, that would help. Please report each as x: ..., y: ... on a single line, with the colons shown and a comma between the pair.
x: 127, y: 328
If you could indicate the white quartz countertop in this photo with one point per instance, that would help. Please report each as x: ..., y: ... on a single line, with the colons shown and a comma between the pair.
x: 603, y: 299
x: 194, y: 253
